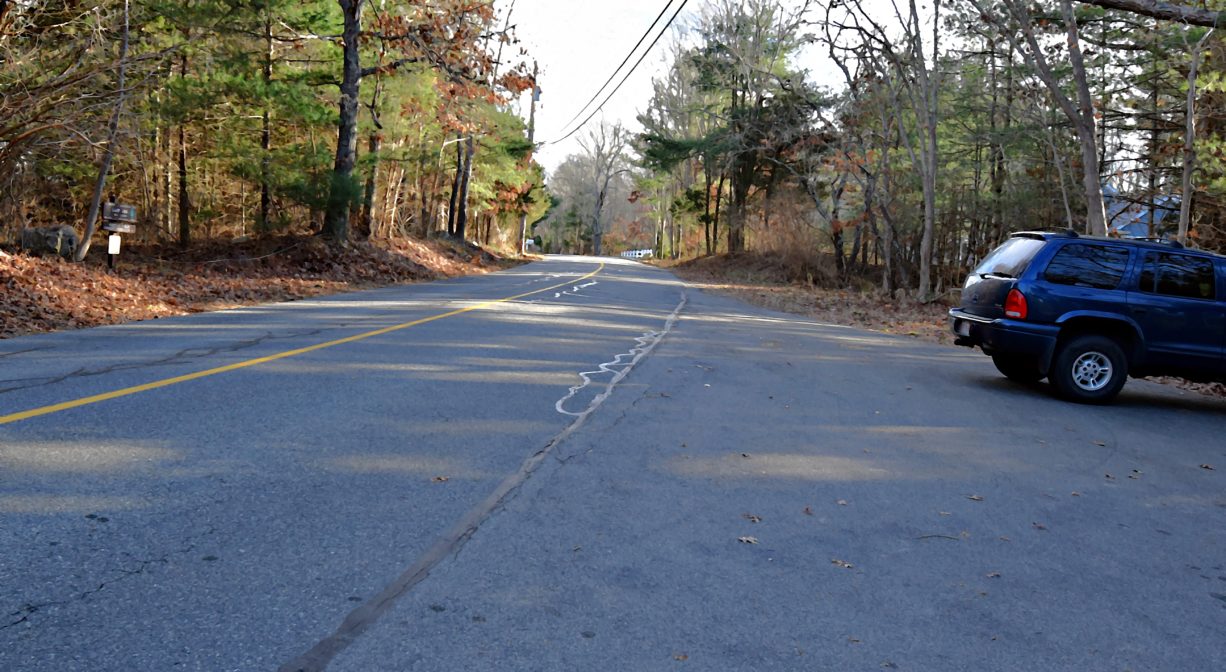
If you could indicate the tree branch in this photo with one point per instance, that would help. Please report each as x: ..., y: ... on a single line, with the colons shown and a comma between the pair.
x: 1164, y: 10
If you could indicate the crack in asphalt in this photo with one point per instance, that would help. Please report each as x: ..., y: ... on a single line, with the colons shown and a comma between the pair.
x: 185, y: 355
x: 21, y: 352
x: 29, y: 609
x: 452, y: 543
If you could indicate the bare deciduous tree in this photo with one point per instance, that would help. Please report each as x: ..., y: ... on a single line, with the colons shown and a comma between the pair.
x: 1080, y: 114
x: 606, y: 148
x: 910, y: 74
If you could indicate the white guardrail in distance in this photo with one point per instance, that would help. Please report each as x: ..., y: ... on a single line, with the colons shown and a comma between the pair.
x: 637, y: 254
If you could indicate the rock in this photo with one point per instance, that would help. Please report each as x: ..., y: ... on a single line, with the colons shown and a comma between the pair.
x: 61, y: 240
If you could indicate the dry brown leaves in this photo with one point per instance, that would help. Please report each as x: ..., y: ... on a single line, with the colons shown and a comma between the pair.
x: 47, y: 294
x: 746, y: 278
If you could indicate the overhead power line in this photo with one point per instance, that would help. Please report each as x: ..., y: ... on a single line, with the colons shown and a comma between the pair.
x: 627, y: 76
x: 621, y: 65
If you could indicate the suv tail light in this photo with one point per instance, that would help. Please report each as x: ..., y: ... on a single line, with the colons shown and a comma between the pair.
x: 1015, y: 305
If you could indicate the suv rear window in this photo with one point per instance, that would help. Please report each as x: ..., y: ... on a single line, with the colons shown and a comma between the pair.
x: 1178, y: 275
x: 1011, y: 258
x: 1082, y: 265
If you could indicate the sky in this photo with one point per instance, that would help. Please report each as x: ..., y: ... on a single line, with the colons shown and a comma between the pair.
x: 578, y: 43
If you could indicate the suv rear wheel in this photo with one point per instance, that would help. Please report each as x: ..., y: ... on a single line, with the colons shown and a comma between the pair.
x: 1089, y: 369
x: 1018, y: 368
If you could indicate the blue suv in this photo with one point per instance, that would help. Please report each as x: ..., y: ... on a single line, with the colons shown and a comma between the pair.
x: 1087, y: 312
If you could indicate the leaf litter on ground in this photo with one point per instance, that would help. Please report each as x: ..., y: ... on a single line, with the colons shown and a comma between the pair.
x: 43, y: 294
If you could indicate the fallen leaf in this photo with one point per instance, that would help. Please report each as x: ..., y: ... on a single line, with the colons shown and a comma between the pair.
x: 747, y: 540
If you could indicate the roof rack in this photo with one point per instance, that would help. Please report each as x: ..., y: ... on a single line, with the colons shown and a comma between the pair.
x: 1175, y: 244
x: 1048, y: 229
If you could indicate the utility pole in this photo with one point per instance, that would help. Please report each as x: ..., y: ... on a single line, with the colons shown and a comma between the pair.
x: 523, y: 216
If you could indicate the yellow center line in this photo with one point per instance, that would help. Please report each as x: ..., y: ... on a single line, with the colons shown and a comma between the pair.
x: 115, y: 394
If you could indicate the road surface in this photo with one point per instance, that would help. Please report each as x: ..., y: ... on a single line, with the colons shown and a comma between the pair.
x: 586, y: 465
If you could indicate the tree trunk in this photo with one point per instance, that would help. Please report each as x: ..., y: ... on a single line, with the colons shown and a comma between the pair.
x: 455, y: 184
x: 265, y: 223
x: 597, y: 229
x: 1189, y: 145
x: 336, y: 221
x: 1096, y: 215
x: 368, y: 195
x: 1081, y: 115
x: 523, y: 217
x: 112, y: 132
x: 742, y: 181
x: 461, y: 223
x: 185, y: 204
x: 707, y: 219
x: 1208, y: 18
x: 931, y: 100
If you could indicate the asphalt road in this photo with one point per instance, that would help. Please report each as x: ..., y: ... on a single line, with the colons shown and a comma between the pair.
x: 546, y: 469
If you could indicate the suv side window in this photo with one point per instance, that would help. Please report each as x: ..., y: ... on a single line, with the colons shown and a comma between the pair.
x: 1178, y: 275
x: 1082, y: 265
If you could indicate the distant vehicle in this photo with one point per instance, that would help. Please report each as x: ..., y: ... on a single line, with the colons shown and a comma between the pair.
x: 638, y: 254
x: 1087, y: 312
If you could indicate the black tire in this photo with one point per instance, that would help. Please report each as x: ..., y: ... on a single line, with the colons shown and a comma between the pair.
x: 1089, y: 369
x: 1018, y: 368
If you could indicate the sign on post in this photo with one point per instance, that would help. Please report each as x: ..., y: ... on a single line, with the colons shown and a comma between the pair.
x: 117, y: 218
x: 115, y: 212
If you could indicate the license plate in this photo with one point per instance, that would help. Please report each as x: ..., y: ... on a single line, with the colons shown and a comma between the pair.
x: 963, y: 328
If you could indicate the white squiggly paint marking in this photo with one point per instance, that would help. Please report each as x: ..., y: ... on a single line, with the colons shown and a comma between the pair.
x: 619, y: 366
x: 574, y: 291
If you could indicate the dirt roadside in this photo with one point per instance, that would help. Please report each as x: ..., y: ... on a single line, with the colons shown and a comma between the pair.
x: 756, y: 281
